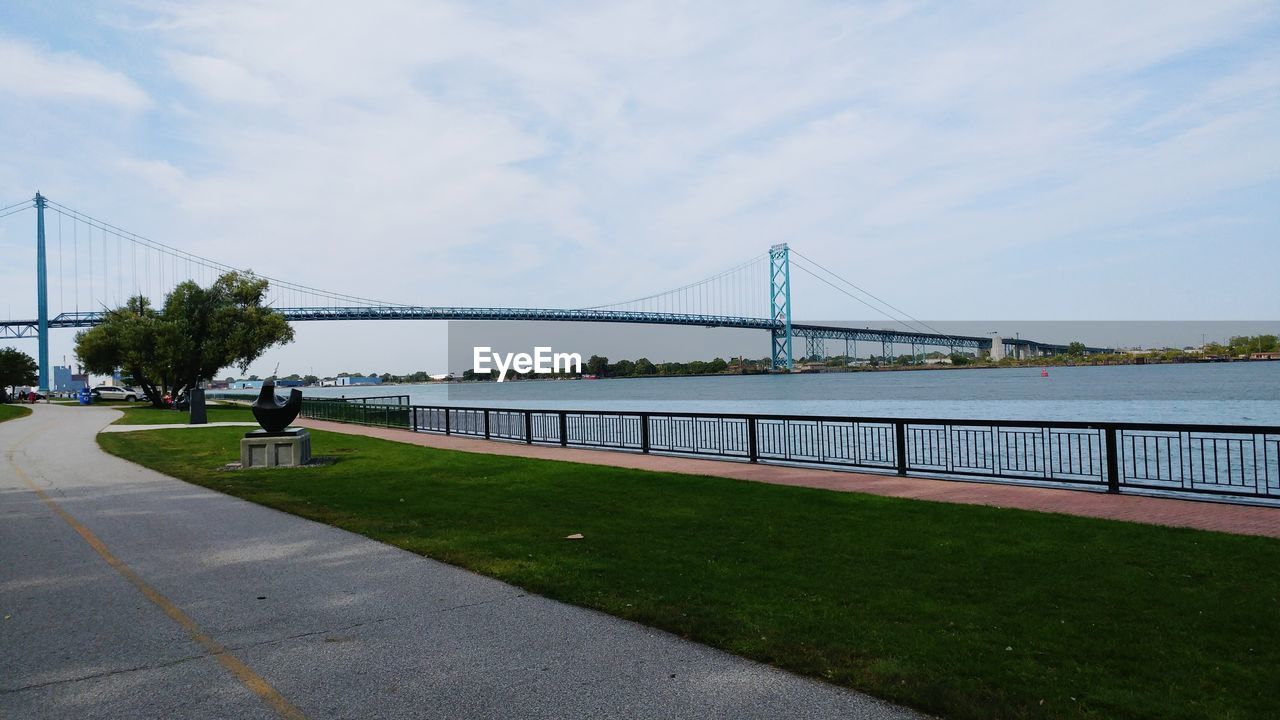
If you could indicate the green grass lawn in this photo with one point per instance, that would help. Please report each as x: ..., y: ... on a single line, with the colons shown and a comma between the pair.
x: 147, y: 415
x: 10, y: 412
x: 967, y: 612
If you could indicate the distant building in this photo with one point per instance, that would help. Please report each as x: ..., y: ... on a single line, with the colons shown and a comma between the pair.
x: 62, y: 381
x: 351, y: 380
x: 1265, y: 356
x: 246, y: 385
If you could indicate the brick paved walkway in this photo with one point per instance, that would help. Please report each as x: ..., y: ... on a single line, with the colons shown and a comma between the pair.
x: 1239, y: 519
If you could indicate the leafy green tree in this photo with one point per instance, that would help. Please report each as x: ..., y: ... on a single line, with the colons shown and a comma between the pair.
x: 311, y: 380
x: 1245, y: 344
x: 644, y: 366
x: 199, y: 332
x: 1075, y: 349
x: 16, y: 368
x: 597, y: 366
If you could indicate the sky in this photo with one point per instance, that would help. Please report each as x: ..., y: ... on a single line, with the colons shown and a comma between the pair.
x: 1027, y: 161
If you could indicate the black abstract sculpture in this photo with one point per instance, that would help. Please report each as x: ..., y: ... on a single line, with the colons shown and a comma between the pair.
x: 273, y: 415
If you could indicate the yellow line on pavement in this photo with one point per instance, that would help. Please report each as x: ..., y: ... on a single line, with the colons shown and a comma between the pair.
x: 235, y: 665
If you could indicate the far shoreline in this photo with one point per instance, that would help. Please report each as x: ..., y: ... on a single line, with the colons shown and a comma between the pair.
x: 835, y: 370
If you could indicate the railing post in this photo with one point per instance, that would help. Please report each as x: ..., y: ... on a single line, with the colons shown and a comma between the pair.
x: 564, y: 429
x: 528, y: 427
x: 644, y: 433
x: 486, y: 424
x: 446, y: 422
x: 753, y: 440
x: 413, y: 418
x: 900, y: 441
x: 1113, y: 461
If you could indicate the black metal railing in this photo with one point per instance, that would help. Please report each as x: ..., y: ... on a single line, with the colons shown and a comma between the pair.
x: 377, y: 400
x: 358, y: 411
x: 1238, y: 462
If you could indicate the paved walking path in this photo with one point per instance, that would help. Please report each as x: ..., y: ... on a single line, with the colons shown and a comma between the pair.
x: 128, y: 594
x: 173, y: 426
x: 1202, y: 515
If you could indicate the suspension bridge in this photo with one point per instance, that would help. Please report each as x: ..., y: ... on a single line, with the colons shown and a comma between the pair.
x: 98, y: 266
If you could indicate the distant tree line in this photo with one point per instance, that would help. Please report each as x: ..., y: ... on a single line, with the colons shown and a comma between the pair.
x: 1244, y: 345
x: 600, y: 366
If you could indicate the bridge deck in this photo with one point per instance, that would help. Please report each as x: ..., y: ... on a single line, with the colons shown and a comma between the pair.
x: 28, y: 328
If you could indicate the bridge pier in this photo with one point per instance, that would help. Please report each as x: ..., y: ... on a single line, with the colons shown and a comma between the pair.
x: 998, y: 351
x: 815, y: 348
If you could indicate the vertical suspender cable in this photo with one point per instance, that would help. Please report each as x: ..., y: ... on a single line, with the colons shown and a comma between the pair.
x: 106, y: 287
x: 75, y: 239
x: 91, y: 289
x: 62, y: 305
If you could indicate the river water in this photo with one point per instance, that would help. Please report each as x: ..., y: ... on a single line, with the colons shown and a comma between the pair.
x: 1229, y: 393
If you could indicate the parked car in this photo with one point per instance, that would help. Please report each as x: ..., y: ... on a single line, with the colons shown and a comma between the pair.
x: 111, y: 392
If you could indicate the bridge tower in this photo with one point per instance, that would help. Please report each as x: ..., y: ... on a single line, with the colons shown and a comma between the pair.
x: 780, y: 306
x: 42, y: 295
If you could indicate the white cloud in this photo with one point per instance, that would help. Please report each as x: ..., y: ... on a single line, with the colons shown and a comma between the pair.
x: 221, y: 80
x: 555, y: 155
x: 36, y: 73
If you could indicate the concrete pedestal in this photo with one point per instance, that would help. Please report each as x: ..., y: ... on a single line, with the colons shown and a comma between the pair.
x: 287, y: 448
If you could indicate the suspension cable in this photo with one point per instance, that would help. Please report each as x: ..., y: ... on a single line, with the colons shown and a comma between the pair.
x: 868, y: 293
x: 162, y: 248
x: 665, y: 296
x: 839, y: 289
x: 29, y: 202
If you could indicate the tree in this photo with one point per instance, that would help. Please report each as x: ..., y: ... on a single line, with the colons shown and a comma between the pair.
x: 199, y: 332
x: 310, y: 380
x: 1245, y: 344
x: 1075, y: 349
x: 16, y: 368
x: 597, y: 366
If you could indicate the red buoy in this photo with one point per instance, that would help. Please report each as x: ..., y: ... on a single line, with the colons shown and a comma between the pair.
x: 1044, y: 372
